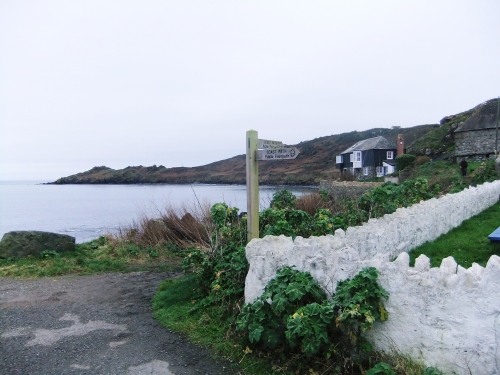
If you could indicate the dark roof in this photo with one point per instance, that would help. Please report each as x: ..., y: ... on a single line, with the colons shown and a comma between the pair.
x: 484, y: 117
x: 376, y: 143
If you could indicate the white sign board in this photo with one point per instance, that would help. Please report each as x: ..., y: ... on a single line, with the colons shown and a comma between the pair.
x: 278, y: 154
x: 264, y: 144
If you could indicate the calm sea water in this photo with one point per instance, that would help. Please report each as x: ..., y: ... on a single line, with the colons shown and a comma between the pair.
x: 89, y: 211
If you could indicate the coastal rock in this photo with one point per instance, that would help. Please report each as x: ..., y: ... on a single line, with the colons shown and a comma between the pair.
x: 19, y: 244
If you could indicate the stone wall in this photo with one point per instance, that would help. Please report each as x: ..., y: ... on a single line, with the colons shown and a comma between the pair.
x: 447, y: 316
x: 475, y: 145
x: 349, y: 189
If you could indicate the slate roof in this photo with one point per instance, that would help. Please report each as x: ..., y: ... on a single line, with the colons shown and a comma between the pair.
x: 376, y: 143
x: 390, y: 162
x: 484, y: 117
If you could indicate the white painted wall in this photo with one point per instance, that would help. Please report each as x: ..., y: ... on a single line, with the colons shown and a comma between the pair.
x: 448, y: 316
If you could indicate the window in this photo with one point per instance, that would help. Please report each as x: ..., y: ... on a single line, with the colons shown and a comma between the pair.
x: 390, y: 155
x: 351, y: 157
x: 338, y: 159
x: 356, y: 159
x: 380, y: 171
x: 366, y: 171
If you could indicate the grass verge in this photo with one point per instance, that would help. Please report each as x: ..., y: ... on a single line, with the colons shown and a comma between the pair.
x: 208, y: 327
x: 98, y: 256
x: 467, y: 243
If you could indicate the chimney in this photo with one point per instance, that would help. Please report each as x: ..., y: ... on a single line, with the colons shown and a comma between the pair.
x: 401, y: 145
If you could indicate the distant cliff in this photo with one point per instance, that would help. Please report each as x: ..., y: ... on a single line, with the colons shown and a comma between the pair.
x: 316, y: 162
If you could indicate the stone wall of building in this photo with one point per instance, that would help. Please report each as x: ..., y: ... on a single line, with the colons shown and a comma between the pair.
x: 475, y: 145
x: 447, y: 316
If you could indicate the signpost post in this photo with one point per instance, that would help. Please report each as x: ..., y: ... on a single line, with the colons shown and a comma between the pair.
x: 260, y: 149
x: 252, y: 186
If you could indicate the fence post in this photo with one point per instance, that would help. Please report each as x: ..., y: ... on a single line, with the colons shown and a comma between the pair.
x: 252, y: 185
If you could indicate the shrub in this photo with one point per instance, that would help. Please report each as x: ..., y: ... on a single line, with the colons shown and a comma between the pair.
x: 294, y: 313
x: 404, y: 161
x: 387, y: 198
x: 485, y: 173
x: 283, y: 199
x: 220, y: 270
x: 265, y: 321
x: 289, y: 222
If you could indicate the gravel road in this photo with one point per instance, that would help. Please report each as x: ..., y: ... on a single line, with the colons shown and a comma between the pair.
x: 99, y: 324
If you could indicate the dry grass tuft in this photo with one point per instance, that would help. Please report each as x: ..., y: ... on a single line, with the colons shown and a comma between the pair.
x: 310, y: 203
x: 184, y: 227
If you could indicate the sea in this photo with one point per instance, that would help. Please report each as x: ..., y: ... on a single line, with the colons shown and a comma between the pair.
x: 89, y: 211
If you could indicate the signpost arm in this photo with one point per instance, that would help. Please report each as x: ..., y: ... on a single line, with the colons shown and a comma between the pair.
x: 252, y: 186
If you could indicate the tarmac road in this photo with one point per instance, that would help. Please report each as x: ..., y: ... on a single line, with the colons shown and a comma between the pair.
x: 99, y: 324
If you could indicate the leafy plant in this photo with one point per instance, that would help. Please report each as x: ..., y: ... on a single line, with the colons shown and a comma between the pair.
x: 381, y: 368
x: 485, y: 173
x: 283, y: 199
x: 221, y: 270
x: 360, y: 302
x: 48, y: 254
x: 133, y: 250
x: 289, y: 222
x: 387, y: 198
x: 431, y: 371
x: 267, y: 317
x: 294, y: 312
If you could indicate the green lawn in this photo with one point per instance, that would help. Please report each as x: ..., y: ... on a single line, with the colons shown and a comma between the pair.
x: 467, y: 243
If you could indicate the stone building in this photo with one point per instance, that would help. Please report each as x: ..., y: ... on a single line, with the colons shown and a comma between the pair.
x: 475, y: 138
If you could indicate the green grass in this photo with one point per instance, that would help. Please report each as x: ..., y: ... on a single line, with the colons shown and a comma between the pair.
x: 209, y: 327
x: 92, y: 257
x: 447, y: 175
x: 467, y: 243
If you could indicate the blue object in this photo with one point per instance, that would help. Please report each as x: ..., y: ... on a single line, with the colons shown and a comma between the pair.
x: 495, y: 236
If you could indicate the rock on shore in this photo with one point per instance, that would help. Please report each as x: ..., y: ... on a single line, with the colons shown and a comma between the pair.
x: 19, y: 244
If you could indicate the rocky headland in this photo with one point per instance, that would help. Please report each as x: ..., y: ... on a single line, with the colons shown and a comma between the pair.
x: 316, y: 162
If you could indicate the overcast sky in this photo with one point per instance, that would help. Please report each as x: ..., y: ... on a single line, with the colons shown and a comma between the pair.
x: 178, y: 83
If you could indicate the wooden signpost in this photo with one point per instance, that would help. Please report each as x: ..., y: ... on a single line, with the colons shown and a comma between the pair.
x: 260, y: 149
